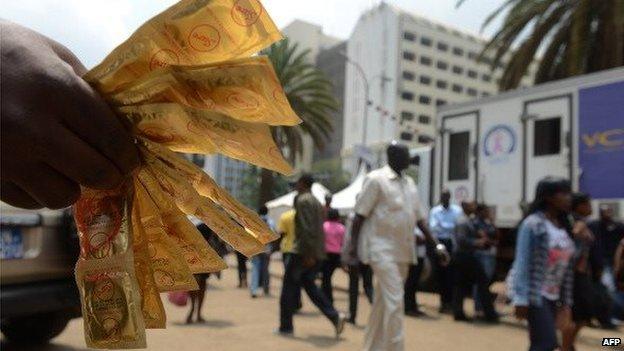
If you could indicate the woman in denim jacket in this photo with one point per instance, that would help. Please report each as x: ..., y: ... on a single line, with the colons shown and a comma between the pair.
x: 542, y: 272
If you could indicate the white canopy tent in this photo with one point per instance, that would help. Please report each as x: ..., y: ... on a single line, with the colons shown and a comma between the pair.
x: 344, y: 200
x: 285, y: 202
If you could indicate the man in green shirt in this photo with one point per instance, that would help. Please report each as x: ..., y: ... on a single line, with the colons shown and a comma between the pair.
x: 304, y: 263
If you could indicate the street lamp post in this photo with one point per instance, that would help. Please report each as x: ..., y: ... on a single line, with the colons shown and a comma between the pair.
x: 366, y: 92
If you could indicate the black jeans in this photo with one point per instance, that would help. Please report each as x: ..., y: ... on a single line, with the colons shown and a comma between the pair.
x: 411, y: 286
x: 542, y: 328
x: 296, y: 277
x: 286, y: 257
x: 445, y: 275
x: 354, y: 286
x: 468, y: 272
x: 327, y: 269
x: 242, y: 268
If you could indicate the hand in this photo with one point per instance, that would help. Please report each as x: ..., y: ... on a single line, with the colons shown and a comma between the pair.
x: 521, y: 312
x: 481, y: 243
x: 308, y: 262
x: 57, y: 133
x: 564, y: 317
x: 443, y: 255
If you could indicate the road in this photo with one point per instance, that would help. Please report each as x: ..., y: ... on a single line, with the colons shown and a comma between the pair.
x: 235, y: 322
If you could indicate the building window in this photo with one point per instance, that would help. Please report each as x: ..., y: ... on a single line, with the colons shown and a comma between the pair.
x: 485, y: 94
x: 440, y: 102
x: 409, y: 36
x: 458, y: 156
x: 407, y: 136
x: 442, y: 46
x: 408, y: 55
x: 472, y: 55
x: 547, y: 137
x: 424, y: 119
x: 424, y: 60
x: 457, y: 88
x: 442, y: 84
x: 458, y: 51
x: 426, y: 41
x: 425, y: 139
x: 407, y: 116
x: 425, y: 80
x: 425, y: 100
x: 458, y: 70
x: 472, y: 74
x: 472, y: 92
x: 406, y: 95
x: 407, y: 75
x: 442, y: 65
x: 486, y: 78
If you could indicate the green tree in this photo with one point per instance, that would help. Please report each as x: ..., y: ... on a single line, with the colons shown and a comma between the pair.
x: 573, y: 36
x: 330, y: 173
x: 250, y: 187
x: 309, y: 93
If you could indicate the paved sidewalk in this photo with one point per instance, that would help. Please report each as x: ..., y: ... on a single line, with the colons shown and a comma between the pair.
x: 237, y: 322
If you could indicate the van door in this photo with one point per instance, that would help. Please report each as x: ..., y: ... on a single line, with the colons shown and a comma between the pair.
x: 547, y: 133
x: 459, y: 159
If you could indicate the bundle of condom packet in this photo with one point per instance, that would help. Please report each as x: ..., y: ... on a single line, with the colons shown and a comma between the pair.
x: 185, y: 81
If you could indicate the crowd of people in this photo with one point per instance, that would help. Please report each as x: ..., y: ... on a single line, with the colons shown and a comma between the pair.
x: 568, y: 271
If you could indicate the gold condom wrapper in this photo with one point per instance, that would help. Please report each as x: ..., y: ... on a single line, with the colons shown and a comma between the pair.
x: 176, y: 127
x: 110, y: 303
x: 199, y: 255
x: 170, y: 271
x: 245, y: 89
x: 191, y: 32
x: 151, y: 304
x: 206, y: 186
x: 191, y: 203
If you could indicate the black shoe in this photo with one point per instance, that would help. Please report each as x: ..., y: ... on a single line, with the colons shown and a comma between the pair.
x: 284, y: 333
x: 490, y: 319
x: 351, y: 321
x: 446, y: 309
x: 462, y: 318
x: 415, y: 313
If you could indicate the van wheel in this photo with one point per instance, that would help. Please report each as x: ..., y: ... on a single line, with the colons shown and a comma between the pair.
x: 35, y: 329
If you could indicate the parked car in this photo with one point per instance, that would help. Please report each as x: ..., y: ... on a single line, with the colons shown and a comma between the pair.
x: 38, y: 293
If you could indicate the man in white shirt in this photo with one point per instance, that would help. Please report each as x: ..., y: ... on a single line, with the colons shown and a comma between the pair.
x: 387, y: 211
x: 442, y: 221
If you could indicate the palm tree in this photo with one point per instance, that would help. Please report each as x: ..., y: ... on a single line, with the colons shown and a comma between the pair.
x: 310, y: 94
x: 573, y: 37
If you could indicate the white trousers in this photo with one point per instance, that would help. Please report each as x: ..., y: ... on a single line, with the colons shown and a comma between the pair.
x: 384, y: 331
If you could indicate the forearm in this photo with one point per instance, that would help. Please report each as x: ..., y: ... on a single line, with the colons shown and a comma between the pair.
x: 355, y: 230
x: 422, y: 225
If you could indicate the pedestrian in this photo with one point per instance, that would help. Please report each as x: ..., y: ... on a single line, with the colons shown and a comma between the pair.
x: 356, y: 269
x: 413, y: 276
x: 442, y: 220
x: 197, y: 296
x: 582, y: 308
x: 286, y: 230
x: 469, y: 271
x: 328, y: 201
x: 260, y: 262
x: 334, y: 239
x: 241, y: 267
x: 305, y: 261
x: 387, y: 211
x: 542, y: 272
x: 608, y: 233
x: 486, y: 256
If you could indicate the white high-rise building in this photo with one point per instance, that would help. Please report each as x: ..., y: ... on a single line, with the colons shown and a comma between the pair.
x: 411, y: 65
x: 308, y: 36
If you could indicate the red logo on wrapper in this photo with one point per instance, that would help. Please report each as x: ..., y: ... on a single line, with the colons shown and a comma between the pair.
x: 98, y: 219
x: 163, y: 58
x: 204, y: 38
x: 246, y: 12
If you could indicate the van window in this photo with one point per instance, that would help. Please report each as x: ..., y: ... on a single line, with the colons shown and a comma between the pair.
x: 459, y: 144
x: 547, y: 136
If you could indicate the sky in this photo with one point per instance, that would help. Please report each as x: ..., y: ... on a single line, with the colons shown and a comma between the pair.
x: 92, y: 28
